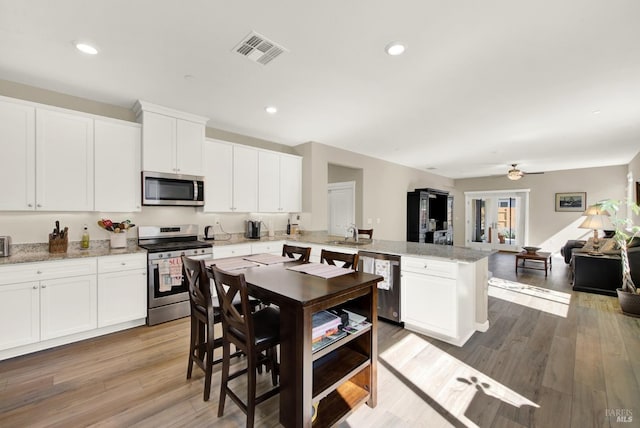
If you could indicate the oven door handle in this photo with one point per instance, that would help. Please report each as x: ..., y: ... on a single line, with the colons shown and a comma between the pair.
x: 153, y: 267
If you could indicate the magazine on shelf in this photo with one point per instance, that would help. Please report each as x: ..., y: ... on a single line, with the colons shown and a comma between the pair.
x: 324, y: 323
x: 327, y: 340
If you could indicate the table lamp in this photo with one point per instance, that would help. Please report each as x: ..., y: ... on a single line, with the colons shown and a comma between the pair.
x: 597, y: 219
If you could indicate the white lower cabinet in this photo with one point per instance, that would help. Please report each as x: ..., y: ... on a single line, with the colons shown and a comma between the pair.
x: 438, y: 298
x: 19, y: 314
x: 122, y: 289
x: 271, y: 247
x: 231, y: 251
x: 67, y: 306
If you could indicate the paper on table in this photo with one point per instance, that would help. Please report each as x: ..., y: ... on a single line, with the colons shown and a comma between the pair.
x: 231, y: 263
x: 268, y: 259
x: 322, y: 270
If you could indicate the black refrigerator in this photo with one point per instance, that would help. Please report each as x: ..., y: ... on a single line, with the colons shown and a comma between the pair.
x: 429, y: 214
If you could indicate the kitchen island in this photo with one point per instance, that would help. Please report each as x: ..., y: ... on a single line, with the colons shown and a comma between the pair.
x: 444, y: 291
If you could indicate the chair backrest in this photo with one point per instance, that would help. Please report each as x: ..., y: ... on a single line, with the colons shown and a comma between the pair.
x: 199, y: 284
x: 368, y: 232
x: 291, y: 251
x: 350, y: 261
x: 237, y: 322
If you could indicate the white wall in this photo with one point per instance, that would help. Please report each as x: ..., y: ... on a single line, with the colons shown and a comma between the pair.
x: 547, y: 227
x: 384, y: 188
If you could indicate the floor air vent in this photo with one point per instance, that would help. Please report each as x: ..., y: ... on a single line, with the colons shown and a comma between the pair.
x: 259, y: 49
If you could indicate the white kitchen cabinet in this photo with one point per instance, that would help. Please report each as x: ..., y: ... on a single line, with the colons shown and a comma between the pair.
x: 290, y: 183
x: 117, y: 166
x: 64, y: 161
x: 218, y: 175
x: 271, y: 247
x: 17, y: 145
x: 67, y: 306
x: 279, y: 181
x: 19, y: 314
x: 438, y: 298
x: 231, y: 251
x: 172, y: 141
x: 122, y: 288
x: 231, y: 177
x: 41, y: 301
x: 245, y: 179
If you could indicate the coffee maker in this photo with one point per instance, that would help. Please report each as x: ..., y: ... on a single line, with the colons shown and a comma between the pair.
x: 252, y: 230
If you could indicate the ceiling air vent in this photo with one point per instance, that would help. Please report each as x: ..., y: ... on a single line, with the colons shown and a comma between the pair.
x: 259, y: 49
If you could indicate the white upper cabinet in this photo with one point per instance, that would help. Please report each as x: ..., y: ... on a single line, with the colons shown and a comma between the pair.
x: 172, y: 141
x: 245, y: 179
x: 218, y: 175
x: 280, y: 182
x: 117, y: 148
x: 290, y: 183
x: 17, y: 145
x: 64, y: 161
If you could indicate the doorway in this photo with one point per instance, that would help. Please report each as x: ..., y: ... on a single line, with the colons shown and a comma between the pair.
x: 342, y: 208
x: 497, y: 219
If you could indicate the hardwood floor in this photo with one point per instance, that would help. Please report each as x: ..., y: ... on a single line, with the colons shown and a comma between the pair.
x: 532, y: 368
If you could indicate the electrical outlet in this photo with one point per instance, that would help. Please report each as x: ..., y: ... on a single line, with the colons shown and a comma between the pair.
x: 369, y: 221
x: 378, y: 220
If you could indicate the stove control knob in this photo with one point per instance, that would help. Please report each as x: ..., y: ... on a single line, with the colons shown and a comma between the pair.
x: 160, y: 256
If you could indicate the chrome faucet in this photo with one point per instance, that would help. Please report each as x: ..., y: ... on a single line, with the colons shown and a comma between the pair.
x: 354, y: 232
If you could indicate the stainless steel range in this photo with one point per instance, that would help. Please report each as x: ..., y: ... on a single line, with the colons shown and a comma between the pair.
x: 168, y: 291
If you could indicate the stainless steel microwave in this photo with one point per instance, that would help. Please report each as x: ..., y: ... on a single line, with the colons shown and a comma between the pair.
x: 159, y: 188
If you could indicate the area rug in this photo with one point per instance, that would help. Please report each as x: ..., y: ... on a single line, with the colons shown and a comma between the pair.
x: 531, y: 290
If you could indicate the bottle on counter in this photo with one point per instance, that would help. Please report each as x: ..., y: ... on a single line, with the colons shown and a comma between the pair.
x: 84, y: 243
x: 288, y: 227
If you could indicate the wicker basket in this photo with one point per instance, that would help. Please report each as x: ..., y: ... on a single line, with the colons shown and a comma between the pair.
x: 629, y: 302
x: 57, y: 244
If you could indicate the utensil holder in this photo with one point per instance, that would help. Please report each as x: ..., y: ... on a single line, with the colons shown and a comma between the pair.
x: 118, y: 240
x: 57, y: 244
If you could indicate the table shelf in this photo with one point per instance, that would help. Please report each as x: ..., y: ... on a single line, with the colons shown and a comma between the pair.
x: 335, y: 368
x: 339, y: 403
x: 338, y: 343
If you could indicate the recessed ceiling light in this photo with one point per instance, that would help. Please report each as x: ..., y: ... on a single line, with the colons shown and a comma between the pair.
x: 271, y: 109
x: 189, y: 77
x: 596, y: 112
x: 86, y: 48
x: 395, y: 48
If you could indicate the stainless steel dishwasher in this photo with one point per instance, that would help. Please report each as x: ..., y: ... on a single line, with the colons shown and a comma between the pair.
x: 389, y: 289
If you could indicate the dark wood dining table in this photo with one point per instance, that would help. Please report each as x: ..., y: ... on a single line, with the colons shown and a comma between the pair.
x: 344, y: 374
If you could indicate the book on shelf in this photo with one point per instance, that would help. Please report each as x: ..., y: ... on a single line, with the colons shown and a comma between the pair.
x: 324, y: 323
x: 327, y: 340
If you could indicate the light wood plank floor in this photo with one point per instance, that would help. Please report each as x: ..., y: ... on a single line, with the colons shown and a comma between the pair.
x: 532, y: 368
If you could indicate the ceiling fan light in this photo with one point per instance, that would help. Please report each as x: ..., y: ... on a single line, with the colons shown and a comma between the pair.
x: 514, y: 174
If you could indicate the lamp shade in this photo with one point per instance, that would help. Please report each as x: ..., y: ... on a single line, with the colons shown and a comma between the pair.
x: 597, y: 222
x: 595, y: 210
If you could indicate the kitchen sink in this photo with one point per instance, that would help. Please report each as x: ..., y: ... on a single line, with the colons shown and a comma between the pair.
x: 348, y: 243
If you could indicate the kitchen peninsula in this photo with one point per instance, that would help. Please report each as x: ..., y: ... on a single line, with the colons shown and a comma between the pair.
x: 444, y: 288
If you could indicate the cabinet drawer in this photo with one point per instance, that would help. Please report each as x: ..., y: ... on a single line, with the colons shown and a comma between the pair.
x: 231, y: 251
x: 24, y: 272
x: 267, y: 247
x: 430, y: 267
x: 122, y: 262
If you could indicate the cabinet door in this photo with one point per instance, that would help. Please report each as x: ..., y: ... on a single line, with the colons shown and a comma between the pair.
x: 190, y: 137
x: 68, y: 305
x: 218, y: 175
x: 269, y: 182
x: 117, y: 166
x: 17, y: 145
x: 19, y: 314
x: 231, y: 251
x: 122, y: 296
x: 290, y: 184
x: 64, y: 161
x: 245, y: 179
x: 158, y: 143
x: 429, y: 302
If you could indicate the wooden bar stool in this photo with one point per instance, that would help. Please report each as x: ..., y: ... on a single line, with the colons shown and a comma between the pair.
x: 350, y: 261
x: 257, y: 334
x: 368, y: 232
x: 303, y: 253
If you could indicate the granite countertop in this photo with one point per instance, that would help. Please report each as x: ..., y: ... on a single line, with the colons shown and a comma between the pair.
x: 30, y: 253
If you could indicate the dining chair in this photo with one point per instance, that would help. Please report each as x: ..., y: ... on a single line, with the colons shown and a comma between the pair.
x: 350, y: 261
x: 304, y: 253
x: 257, y: 334
x: 368, y: 232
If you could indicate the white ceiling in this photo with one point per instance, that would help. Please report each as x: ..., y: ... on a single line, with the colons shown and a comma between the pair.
x: 483, y: 84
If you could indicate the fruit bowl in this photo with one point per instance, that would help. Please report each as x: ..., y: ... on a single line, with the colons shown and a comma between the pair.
x: 531, y: 250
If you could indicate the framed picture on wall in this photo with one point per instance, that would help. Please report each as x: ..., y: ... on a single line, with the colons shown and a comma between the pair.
x: 576, y: 201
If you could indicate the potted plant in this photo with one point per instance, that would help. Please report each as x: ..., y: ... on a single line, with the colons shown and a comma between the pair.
x: 625, y: 231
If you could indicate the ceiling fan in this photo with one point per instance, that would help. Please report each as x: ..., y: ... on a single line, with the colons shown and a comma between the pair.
x: 516, y: 174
